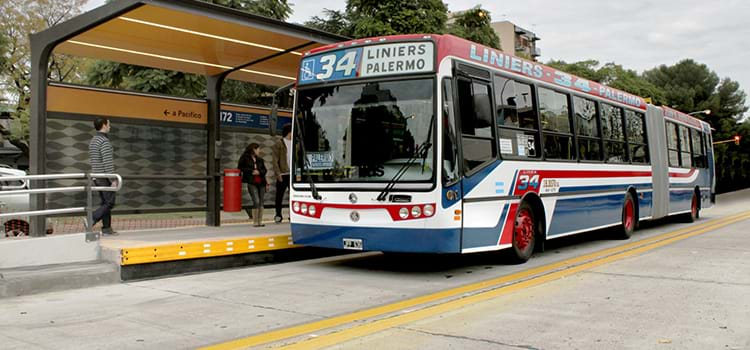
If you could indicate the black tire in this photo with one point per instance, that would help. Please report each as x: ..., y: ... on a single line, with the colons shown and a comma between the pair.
x: 629, y: 217
x: 525, y: 232
x: 695, y: 209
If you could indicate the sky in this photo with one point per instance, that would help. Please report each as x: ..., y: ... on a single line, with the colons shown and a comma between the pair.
x: 638, y: 34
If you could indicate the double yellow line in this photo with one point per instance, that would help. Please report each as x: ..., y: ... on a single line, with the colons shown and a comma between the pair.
x: 452, y: 299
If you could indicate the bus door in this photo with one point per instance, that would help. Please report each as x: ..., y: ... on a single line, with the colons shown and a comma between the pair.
x: 478, y: 150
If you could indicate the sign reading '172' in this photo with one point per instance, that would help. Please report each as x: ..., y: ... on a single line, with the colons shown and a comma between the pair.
x: 368, y: 61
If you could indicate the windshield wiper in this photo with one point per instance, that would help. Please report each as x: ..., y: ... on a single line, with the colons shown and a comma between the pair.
x: 305, y: 162
x: 421, y: 152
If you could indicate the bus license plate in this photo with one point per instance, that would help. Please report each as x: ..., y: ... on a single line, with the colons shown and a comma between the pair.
x: 353, y: 243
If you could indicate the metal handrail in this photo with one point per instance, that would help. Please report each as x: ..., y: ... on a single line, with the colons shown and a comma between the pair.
x: 88, y: 188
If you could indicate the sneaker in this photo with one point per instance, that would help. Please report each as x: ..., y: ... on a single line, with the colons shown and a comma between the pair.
x: 109, y: 232
x: 261, y: 225
x: 277, y: 219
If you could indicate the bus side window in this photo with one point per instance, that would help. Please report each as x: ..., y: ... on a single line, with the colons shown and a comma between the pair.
x: 637, y: 140
x: 672, y: 145
x: 699, y: 149
x: 517, y: 131
x: 685, y: 157
x: 450, y: 139
x: 476, y: 124
x: 613, y: 131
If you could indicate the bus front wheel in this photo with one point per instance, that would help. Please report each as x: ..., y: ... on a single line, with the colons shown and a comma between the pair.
x: 524, y: 233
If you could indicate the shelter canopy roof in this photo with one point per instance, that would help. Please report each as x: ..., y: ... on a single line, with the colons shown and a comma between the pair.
x: 199, y: 38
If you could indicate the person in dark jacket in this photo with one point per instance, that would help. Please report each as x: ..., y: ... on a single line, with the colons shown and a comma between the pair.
x: 254, y: 175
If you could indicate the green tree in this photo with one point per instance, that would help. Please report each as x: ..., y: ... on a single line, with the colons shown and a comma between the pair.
x: 688, y: 85
x: 18, y: 20
x: 368, y: 18
x: 137, y: 78
x: 474, y: 25
x: 333, y: 21
x: 388, y: 17
x: 692, y: 86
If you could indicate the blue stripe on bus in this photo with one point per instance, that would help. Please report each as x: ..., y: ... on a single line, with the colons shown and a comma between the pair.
x: 474, y: 237
x: 469, y: 183
x: 380, y: 239
x: 581, y: 213
x: 621, y: 187
x: 680, y: 199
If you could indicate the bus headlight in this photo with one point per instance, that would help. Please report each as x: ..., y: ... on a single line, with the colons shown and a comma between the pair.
x: 416, y: 211
x: 429, y: 210
x: 295, y: 207
x: 304, y: 208
x: 403, y: 213
x: 311, y: 210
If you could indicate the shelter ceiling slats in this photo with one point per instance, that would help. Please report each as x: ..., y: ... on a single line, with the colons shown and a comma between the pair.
x: 166, y: 38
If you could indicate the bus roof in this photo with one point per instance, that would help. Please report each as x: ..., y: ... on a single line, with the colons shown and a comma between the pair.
x: 452, y: 46
x: 684, y: 118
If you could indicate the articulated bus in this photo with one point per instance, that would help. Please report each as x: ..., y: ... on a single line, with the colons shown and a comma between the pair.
x: 435, y: 144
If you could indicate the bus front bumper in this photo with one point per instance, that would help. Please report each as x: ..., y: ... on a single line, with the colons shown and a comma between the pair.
x: 404, y: 240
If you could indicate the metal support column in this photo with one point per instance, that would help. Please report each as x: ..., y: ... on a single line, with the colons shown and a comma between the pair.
x: 40, y: 53
x: 213, y: 156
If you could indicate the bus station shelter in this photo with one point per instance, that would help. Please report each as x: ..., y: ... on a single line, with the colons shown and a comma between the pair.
x: 169, y: 150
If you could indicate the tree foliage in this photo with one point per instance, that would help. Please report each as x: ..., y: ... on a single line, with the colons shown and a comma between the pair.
x: 18, y: 20
x: 368, y: 18
x: 474, y: 25
x: 692, y: 86
x: 137, y: 78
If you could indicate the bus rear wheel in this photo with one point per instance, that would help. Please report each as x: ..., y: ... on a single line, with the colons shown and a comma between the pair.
x: 524, y: 234
x: 629, y: 218
x: 695, y: 209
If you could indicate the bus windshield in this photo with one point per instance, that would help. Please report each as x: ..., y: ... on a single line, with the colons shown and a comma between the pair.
x: 366, y: 132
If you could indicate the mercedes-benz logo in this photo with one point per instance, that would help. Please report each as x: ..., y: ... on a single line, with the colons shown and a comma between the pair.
x: 354, y: 216
x: 352, y: 198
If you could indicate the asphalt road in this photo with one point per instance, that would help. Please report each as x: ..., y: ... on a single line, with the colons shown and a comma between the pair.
x: 671, y: 286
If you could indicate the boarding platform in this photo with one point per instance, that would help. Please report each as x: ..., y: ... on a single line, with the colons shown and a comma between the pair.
x: 162, y: 252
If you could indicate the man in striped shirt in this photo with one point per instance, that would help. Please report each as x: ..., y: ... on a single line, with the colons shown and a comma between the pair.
x: 102, y: 162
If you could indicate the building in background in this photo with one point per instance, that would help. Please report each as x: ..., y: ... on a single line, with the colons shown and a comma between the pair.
x: 517, y: 40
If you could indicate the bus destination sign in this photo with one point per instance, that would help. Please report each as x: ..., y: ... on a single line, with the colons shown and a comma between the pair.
x: 368, y: 61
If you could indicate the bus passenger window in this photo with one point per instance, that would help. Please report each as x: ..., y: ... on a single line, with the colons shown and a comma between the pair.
x: 685, y: 157
x: 555, y: 113
x: 637, y: 140
x: 699, y: 149
x: 506, y: 106
x: 516, y: 119
x: 614, y: 134
x: 587, y: 127
x: 672, y: 142
x: 450, y: 144
x: 476, y: 124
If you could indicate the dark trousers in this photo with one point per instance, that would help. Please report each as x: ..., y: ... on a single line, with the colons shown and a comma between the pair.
x: 103, y: 213
x: 257, y: 192
x: 281, y: 187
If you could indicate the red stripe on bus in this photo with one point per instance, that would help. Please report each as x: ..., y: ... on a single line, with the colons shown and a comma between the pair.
x: 506, y: 237
x: 688, y: 174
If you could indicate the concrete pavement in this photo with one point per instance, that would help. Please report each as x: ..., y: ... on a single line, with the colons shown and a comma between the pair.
x: 660, y: 295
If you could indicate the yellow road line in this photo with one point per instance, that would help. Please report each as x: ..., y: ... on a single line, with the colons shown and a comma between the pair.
x: 204, y: 249
x: 556, y: 270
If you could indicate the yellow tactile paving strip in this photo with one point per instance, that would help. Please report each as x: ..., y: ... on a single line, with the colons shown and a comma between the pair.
x: 204, y: 249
